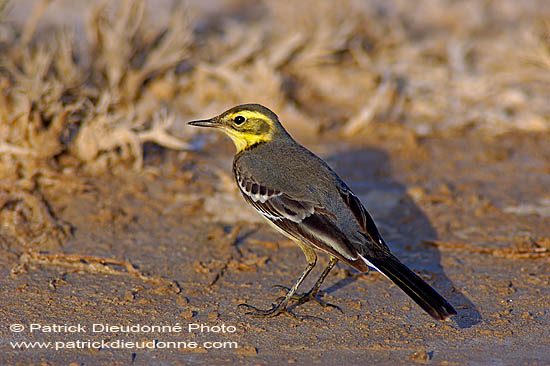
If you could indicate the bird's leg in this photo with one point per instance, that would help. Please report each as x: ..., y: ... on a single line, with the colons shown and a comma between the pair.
x: 280, y: 306
x: 315, y: 288
x: 312, y: 294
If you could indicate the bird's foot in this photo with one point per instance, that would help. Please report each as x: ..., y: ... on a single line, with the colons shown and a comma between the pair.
x: 276, y: 309
x: 281, y: 307
x: 302, y: 298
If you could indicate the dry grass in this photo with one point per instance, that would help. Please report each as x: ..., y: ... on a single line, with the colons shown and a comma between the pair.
x: 62, y: 107
x: 434, y: 67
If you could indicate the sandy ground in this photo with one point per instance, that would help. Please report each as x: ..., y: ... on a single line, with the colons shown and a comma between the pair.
x: 471, y: 215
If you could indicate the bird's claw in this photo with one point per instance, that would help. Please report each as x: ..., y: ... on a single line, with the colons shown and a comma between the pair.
x: 302, y: 298
x: 292, y: 314
x: 275, y: 310
x: 305, y: 297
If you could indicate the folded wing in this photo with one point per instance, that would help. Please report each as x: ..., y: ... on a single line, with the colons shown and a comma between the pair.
x: 300, y: 219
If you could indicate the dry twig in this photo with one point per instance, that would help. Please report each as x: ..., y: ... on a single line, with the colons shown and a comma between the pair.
x: 513, y: 253
x: 90, y: 264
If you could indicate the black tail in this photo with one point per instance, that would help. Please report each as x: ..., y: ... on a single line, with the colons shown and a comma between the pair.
x: 408, y: 281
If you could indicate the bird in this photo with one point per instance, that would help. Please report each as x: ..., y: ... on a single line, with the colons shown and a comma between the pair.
x: 305, y: 200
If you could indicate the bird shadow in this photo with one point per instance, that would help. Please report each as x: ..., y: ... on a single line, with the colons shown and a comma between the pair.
x: 405, y: 227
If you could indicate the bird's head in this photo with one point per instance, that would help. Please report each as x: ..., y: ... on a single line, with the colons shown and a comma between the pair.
x: 247, y: 125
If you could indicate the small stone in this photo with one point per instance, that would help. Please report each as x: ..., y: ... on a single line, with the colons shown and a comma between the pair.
x: 247, y: 350
x: 420, y: 356
x: 182, y: 300
x: 416, y: 192
x: 187, y: 314
x: 526, y: 315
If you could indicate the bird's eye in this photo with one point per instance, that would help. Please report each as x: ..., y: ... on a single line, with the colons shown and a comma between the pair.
x: 239, y: 120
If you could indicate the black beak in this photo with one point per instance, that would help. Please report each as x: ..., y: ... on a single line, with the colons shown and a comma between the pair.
x: 205, y: 123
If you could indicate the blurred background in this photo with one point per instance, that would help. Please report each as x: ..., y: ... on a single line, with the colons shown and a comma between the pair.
x: 88, y: 84
x: 72, y: 70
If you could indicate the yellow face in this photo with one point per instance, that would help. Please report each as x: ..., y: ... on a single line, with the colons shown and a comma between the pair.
x: 246, y: 127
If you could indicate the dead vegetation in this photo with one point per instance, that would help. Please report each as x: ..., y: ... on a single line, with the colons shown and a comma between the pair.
x: 532, y: 249
x: 90, y: 101
x: 62, y: 107
x: 91, y: 264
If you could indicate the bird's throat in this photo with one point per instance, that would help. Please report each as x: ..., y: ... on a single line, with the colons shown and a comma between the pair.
x: 247, y: 141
